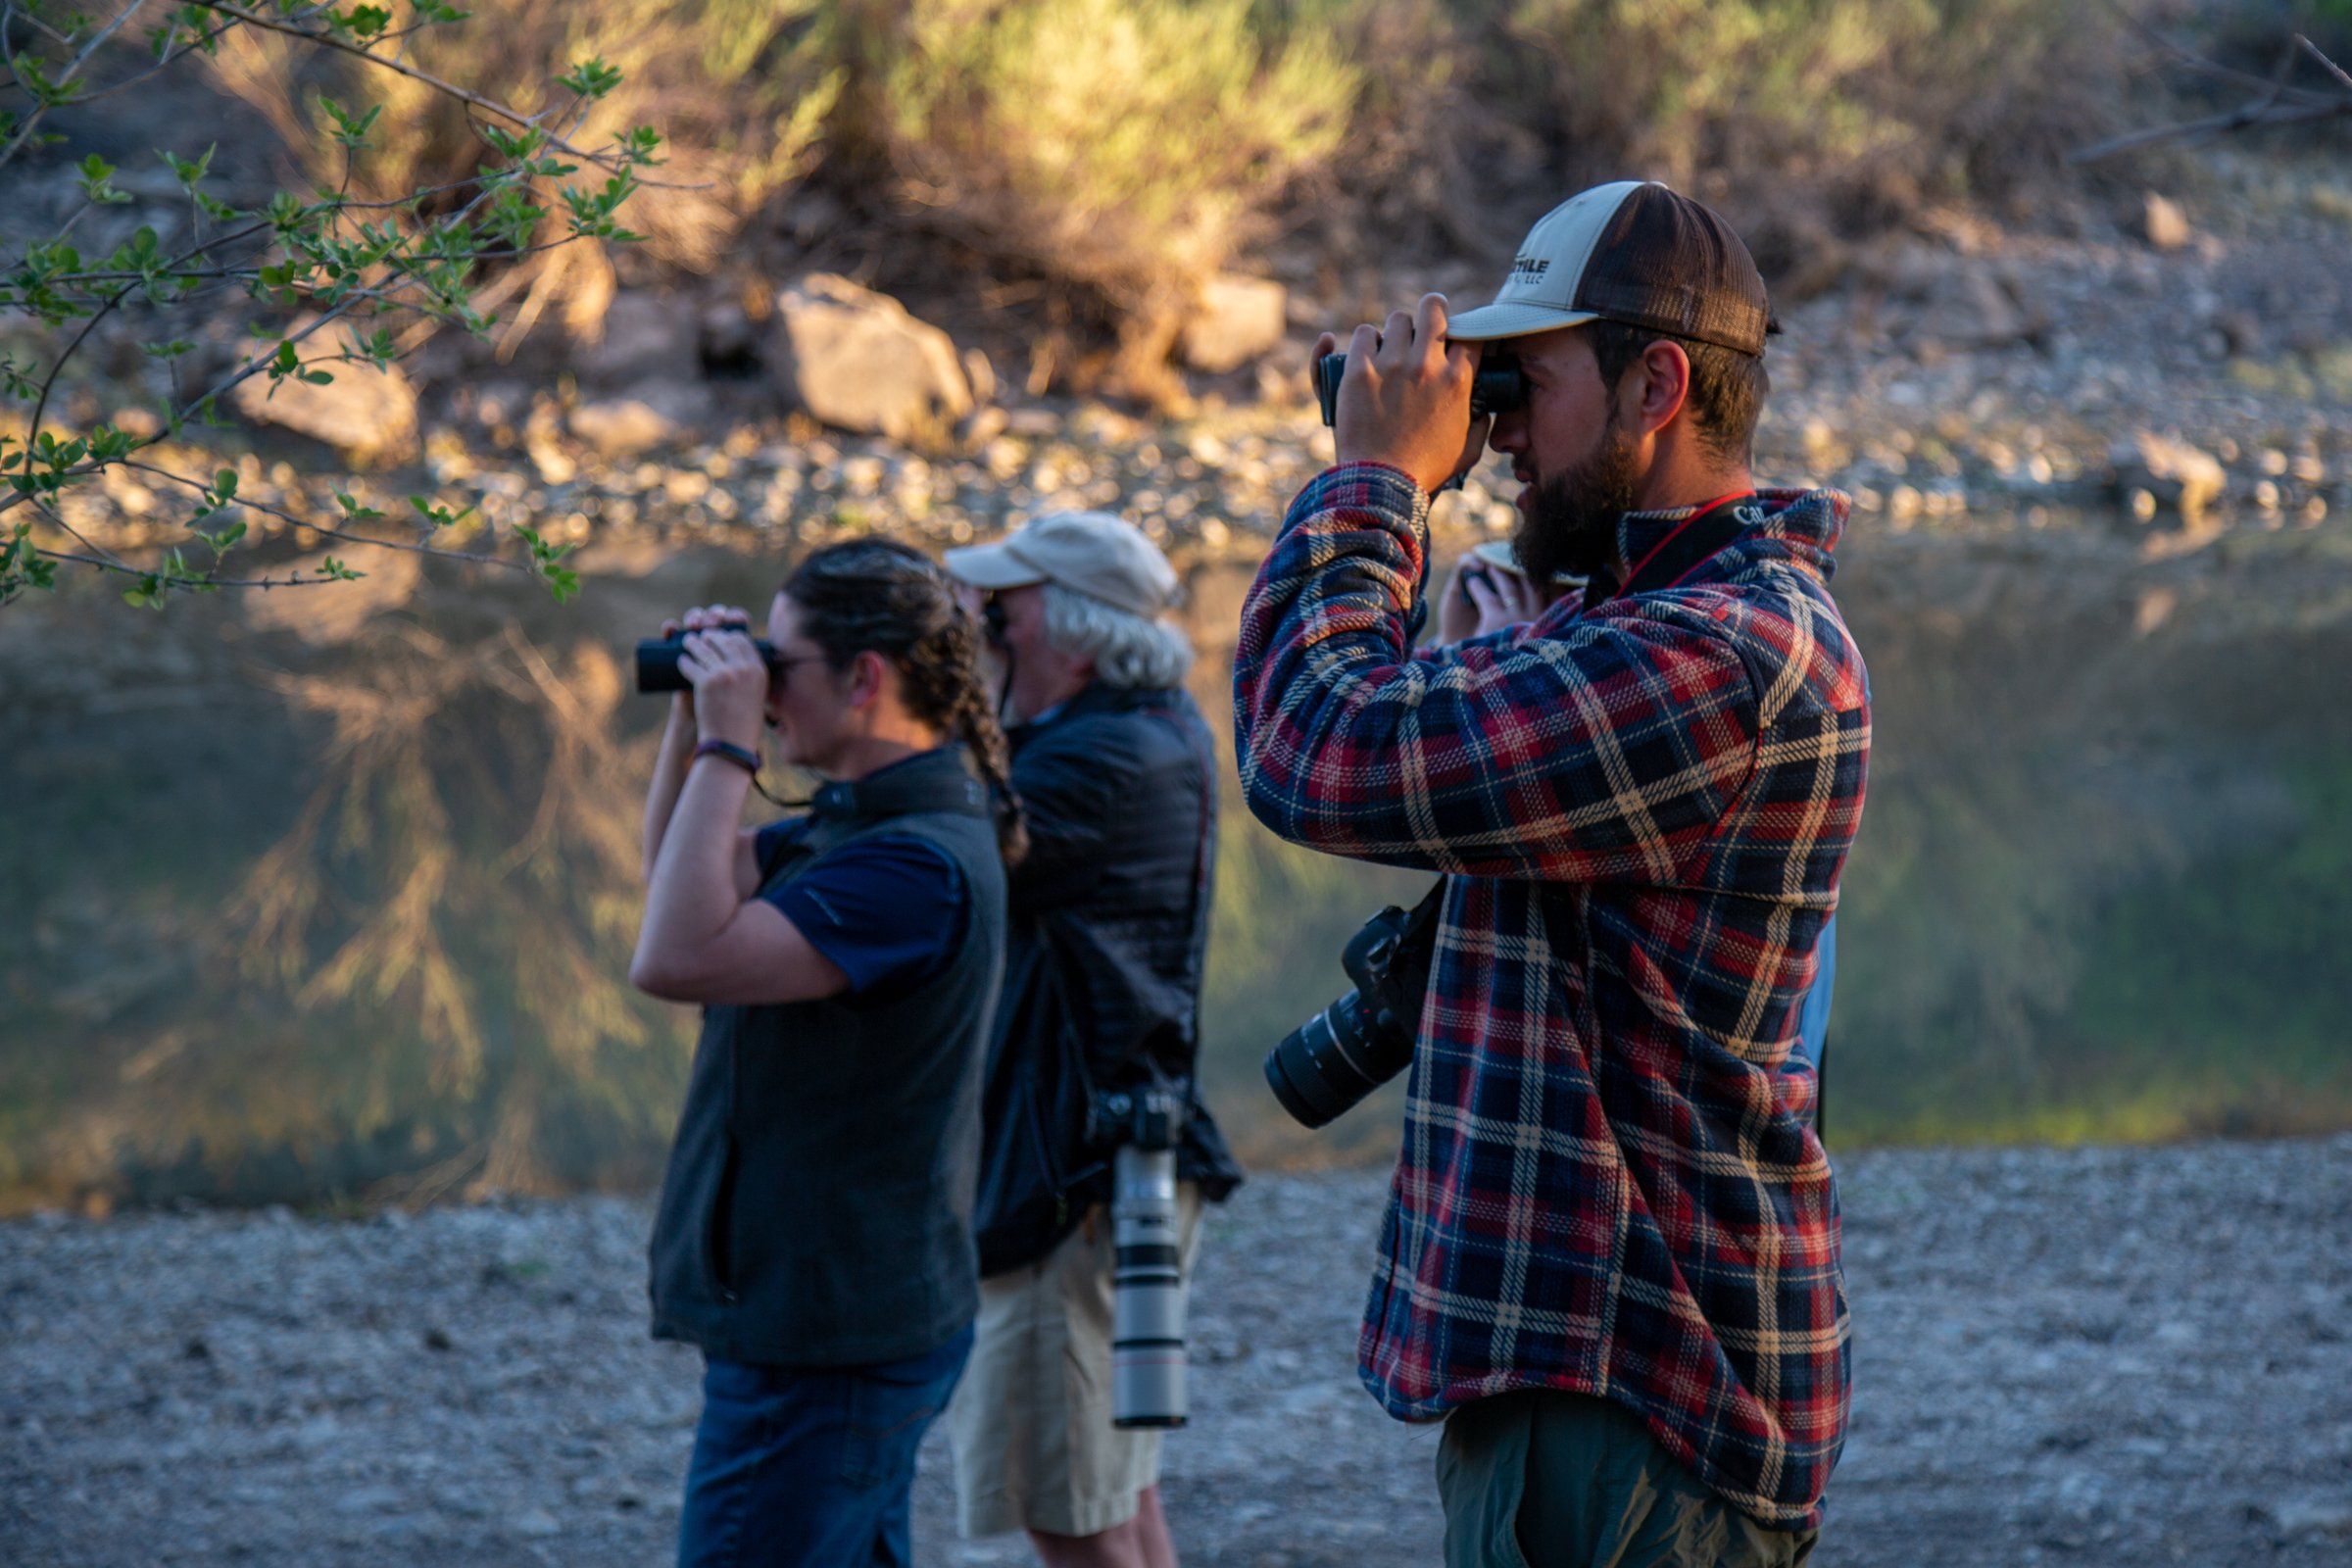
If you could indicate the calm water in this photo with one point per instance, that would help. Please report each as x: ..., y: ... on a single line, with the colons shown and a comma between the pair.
x: 328, y: 901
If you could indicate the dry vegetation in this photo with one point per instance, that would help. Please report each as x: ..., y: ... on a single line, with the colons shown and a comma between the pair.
x: 1100, y: 160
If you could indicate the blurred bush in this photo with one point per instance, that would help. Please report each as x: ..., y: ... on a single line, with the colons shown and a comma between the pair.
x: 1112, y: 155
x: 1125, y: 148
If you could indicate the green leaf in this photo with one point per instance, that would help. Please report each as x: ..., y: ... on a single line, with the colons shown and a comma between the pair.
x: 438, y: 516
x: 95, y: 175
x: 591, y: 79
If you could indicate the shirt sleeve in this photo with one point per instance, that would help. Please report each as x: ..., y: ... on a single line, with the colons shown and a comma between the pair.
x: 889, y: 909
x: 771, y: 841
x: 1608, y: 748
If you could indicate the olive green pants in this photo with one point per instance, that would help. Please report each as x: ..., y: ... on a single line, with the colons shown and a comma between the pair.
x: 1542, y: 1480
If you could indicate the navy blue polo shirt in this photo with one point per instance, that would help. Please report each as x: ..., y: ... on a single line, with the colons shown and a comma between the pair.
x: 887, y: 908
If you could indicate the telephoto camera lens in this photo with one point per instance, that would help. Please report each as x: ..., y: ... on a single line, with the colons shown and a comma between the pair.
x: 1147, y: 1279
x: 1326, y: 1064
x: 1364, y: 1039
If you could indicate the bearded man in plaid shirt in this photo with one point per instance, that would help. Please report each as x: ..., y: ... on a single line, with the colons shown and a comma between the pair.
x: 1610, y: 1259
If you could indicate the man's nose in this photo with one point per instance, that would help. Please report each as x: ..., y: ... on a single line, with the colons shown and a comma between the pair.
x: 1510, y: 433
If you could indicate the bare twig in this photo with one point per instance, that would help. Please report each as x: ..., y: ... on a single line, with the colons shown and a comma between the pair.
x: 2279, y: 103
x: 437, y: 552
x: 2331, y: 66
x: 397, y: 66
x: 177, y: 581
x: 55, y: 519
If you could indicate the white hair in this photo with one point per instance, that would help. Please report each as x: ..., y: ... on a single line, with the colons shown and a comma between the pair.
x: 1129, y: 651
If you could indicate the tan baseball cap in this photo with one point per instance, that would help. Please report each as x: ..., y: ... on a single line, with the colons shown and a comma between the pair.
x: 1634, y: 251
x: 1092, y: 553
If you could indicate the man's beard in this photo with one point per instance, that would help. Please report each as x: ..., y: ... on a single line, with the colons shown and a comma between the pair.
x: 1569, y: 527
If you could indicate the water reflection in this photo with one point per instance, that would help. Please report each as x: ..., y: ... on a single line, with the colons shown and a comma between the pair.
x: 332, y: 900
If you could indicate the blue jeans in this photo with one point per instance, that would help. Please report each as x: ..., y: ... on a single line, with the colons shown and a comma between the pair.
x: 811, y: 1465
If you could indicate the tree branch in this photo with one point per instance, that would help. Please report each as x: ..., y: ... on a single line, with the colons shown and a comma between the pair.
x: 2278, y: 104
x: 177, y: 580
x: 323, y: 40
x: 437, y: 552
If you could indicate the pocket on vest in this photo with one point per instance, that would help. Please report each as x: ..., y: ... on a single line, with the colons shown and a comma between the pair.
x: 718, y: 1228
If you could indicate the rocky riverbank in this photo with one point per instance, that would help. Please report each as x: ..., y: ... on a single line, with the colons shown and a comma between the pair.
x: 2097, y: 1356
x: 2189, y: 373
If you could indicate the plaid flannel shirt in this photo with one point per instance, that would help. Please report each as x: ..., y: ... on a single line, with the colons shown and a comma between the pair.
x: 1609, y: 1182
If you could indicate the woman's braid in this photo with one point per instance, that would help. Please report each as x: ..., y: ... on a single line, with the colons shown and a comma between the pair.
x: 880, y: 595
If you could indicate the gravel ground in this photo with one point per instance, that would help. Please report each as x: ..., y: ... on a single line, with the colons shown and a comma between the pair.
x: 2106, y: 1356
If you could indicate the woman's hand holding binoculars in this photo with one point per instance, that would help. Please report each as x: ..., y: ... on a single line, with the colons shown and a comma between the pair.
x: 726, y: 677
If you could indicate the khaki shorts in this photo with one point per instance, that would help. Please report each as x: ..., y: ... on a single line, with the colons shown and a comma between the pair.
x: 1030, y: 1422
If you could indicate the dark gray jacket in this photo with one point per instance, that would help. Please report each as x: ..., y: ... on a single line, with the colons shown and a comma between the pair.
x: 817, y: 1211
x: 1104, y: 959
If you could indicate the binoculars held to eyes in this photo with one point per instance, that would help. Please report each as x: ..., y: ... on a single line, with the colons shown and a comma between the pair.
x: 1500, y: 388
x: 657, y: 660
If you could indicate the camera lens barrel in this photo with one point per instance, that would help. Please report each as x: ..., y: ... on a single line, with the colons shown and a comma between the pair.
x: 1326, y: 1064
x: 1146, y: 1282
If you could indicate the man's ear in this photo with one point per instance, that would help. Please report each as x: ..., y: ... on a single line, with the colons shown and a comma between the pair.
x: 1663, y: 384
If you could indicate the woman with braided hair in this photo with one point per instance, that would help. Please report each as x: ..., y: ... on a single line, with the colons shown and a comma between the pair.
x: 815, y: 1233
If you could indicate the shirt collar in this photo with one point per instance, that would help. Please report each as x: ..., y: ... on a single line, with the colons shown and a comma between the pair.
x: 1654, y: 550
x: 935, y: 781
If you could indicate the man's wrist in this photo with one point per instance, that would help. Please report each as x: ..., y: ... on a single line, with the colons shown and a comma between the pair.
x: 1389, y: 465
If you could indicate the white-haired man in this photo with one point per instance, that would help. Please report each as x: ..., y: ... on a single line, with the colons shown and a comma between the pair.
x: 1110, y: 923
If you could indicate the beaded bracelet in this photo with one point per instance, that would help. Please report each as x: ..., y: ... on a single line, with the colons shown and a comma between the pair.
x: 742, y: 757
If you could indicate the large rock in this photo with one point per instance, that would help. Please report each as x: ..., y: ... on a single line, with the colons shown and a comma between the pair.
x: 368, y: 414
x: 2155, y: 474
x: 1236, y: 320
x: 857, y: 361
x: 1959, y: 303
x: 664, y: 413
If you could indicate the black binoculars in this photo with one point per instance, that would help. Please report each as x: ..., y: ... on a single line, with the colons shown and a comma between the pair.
x: 657, y: 660
x: 1500, y: 388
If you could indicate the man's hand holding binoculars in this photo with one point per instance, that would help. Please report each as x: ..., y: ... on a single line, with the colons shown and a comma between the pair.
x: 1405, y: 398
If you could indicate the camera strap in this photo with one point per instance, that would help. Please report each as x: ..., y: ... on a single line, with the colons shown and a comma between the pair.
x: 1417, y: 942
x: 1691, y: 544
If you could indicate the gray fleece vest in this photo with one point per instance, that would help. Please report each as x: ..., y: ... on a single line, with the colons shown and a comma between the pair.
x: 817, y: 1208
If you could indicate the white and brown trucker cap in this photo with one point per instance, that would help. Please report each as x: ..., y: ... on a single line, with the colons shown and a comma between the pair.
x: 1631, y: 252
x: 1093, y: 553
